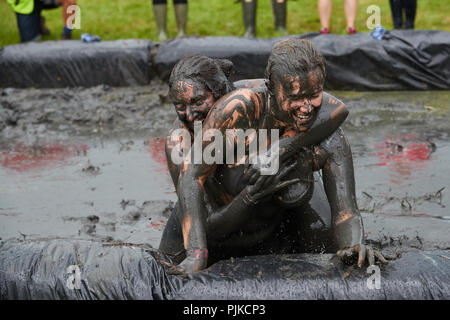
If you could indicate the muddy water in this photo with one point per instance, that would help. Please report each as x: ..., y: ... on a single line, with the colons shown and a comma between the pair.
x: 89, y: 163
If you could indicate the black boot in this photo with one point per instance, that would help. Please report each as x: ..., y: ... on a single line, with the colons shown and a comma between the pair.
x: 279, y: 14
x: 160, y: 12
x: 181, y: 12
x: 397, y: 13
x: 249, y: 13
x: 410, y: 13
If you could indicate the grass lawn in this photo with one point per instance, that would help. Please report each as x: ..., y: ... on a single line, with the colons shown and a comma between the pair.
x: 125, y: 19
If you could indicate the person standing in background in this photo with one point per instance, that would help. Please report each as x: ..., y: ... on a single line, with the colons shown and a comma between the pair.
x: 66, y: 13
x: 28, y: 14
x: 397, y: 8
x: 30, y: 22
x: 160, y: 12
x: 249, y: 13
x: 325, y: 6
x: 67, y: 24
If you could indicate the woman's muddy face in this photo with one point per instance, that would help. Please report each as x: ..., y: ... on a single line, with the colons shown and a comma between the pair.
x: 192, y: 101
x: 300, y: 99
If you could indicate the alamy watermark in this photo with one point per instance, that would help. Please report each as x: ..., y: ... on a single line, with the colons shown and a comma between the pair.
x: 240, y: 145
x: 374, y: 19
x: 74, y: 280
x: 75, y: 14
x: 374, y: 281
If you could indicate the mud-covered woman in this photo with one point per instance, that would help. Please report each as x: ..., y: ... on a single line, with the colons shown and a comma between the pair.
x: 232, y: 214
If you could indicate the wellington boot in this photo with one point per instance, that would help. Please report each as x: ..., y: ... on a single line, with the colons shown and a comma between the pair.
x: 249, y: 13
x: 160, y: 12
x: 279, y: 14
x: 181, y: 12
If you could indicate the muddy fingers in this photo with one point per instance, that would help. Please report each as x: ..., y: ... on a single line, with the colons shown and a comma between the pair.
x: 286, y: 170
x: 285, y: 184
x: 380, y: 257
x: 268, y: 181
x: 253, y: 175
x: 362, y: 254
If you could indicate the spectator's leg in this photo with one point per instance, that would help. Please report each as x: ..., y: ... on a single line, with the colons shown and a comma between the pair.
x: 325, y: 7
x: 30, y: 24
x: 181, y: 12
x: 160, y: 12
x: 410, y: 13
x: 249, y: 13
x: 279, y: 14
x: 67, y: 13
x: 397, y: 14
x: 351, y: 8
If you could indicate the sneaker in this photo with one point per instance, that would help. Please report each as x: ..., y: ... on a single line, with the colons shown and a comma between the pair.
x: 324, y: 31
x: 351, y: 30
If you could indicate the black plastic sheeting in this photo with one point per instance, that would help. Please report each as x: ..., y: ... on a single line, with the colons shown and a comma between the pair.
x: 405, y: 60
x: 56, y: 64
x: 37, y: 269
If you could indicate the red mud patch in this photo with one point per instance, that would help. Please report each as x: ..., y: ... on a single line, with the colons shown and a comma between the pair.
x: 23, y: 158
x: 157, y: 150
x: 158, y: 225
x: 404, y: 155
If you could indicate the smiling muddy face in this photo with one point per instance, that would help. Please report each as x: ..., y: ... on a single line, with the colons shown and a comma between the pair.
x: 296, y: 73
x: 300, y: 99
x: 196, y: 83
x: 192, y: 102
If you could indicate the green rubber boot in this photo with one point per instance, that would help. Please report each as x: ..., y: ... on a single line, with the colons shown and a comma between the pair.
x: 249, y: 13
x: 279, y: 14
x: 160, y: 12
x: 181, y: 12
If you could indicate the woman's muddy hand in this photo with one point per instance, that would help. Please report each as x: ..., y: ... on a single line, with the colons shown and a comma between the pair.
x: 363, y: 252
x: 260, y: 186
x: 194, y: 262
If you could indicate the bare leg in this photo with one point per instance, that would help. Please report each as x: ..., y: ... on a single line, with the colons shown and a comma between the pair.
x: 351, y: 8
x: 325, y: 7
x: 67, y: 30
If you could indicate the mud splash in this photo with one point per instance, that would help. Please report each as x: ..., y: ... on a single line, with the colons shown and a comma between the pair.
x: 89, y: 163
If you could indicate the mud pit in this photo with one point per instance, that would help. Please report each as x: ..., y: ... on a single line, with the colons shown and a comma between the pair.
x: 89, y: 164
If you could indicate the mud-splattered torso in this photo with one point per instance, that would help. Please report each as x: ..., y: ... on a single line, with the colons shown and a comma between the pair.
x: 249, y: 108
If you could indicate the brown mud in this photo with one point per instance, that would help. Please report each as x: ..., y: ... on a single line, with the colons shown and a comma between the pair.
x: 89, y: 163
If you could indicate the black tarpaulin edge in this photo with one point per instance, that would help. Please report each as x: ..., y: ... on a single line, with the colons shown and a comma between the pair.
x: 44, y: 269
x: 405, y: 60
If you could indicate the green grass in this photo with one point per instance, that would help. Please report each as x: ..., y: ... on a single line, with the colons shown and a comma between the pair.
x: 125, y: 19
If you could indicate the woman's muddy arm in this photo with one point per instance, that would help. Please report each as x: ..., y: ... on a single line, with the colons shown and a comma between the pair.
x: 339, y: 183
x: 228, y: 219
x: 174, y: 169
x: 178, y: 143
x: 193, y: 215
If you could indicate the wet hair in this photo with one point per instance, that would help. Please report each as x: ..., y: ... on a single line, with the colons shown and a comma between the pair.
x: 294, y: 58
x: 212, y: 73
